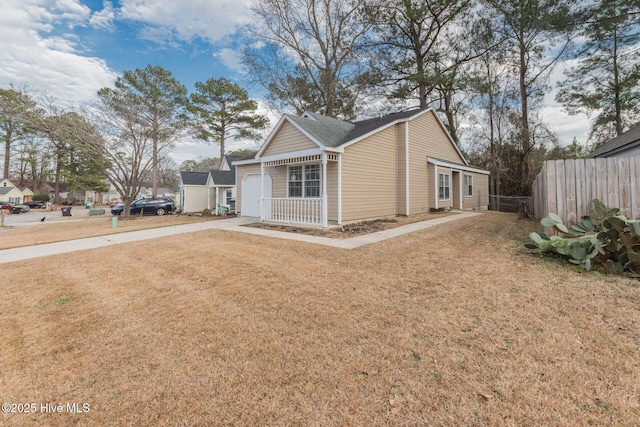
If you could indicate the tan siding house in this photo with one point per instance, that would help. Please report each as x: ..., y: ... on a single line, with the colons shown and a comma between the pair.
x: 369, y: 173
x: 215, y: 190
x: 318, y: 170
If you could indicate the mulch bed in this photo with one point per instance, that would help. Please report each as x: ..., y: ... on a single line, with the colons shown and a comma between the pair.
x: 352, y: 229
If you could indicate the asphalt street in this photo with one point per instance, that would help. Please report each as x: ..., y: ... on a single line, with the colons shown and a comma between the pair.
x: 34, y: 216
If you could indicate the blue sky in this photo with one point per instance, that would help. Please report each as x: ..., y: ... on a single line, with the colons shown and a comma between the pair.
x: 71, y: 48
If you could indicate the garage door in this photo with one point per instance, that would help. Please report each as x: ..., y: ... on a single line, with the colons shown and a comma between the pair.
x: 251, y: 193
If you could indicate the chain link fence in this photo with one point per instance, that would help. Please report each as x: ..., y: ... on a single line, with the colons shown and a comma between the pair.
x: 510, y: 204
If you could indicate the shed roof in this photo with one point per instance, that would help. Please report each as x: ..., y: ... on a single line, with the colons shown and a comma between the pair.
x: 194, y: 178
x: 626, y: 140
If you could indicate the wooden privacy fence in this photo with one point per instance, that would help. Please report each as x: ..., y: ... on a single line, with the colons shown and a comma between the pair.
x: 568, y: 187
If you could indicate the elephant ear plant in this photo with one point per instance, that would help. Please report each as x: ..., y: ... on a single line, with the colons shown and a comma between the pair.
x: 604, y: 238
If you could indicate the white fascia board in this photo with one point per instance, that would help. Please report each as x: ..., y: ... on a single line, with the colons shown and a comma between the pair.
x: 455, y: 166
x: 246, y: 162
x: 388, y: 125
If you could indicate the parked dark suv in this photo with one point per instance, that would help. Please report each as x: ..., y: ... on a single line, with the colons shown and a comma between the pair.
x: 35, y: 205
x: 148, y: 206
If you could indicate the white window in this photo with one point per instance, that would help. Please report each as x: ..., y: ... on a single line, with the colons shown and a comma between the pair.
x: 468, y: 185
x: 304, y: 180
x: 443, y: 186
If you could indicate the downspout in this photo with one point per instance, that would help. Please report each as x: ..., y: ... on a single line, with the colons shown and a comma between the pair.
x: 435, y: 193
x: 340, y: 189
x: 406, y: 166
x: 325, y: 210
x: 461, y: 184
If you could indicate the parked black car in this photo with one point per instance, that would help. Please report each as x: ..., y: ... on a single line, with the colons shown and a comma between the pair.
x: 148, y: 206
x: 35, y: 205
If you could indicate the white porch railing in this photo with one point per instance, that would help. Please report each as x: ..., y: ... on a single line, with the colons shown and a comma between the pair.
x: 294, y: 210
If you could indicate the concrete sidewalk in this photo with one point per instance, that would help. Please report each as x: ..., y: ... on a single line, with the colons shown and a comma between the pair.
x: 231, y: 224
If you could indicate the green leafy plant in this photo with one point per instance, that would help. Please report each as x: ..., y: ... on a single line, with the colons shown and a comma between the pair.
x: 604, y: 238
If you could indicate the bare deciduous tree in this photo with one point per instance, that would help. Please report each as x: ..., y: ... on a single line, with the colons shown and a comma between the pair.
x: 305, y: 53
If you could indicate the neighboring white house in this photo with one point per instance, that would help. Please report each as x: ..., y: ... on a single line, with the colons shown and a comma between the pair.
x: 213, y: 190
x: 10, y: 193
x: 194, y: 193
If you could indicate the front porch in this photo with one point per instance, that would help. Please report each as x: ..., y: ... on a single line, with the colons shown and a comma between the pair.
x: 305, y: 211
x: 299, y: 190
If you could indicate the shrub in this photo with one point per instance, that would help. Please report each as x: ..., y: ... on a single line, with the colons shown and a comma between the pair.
x: 604, y: 238
x: 206, y: 212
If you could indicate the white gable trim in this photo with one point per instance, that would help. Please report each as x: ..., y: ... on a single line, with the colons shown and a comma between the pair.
x: 444, y: 129
x: 456, y: 167
x: 274, y: 132
x: 210, y: 182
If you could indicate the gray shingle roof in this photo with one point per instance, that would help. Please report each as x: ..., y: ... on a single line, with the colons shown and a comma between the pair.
x: 5, y: 190
x: 629, y: 137
x: 333, y: 132
x: 194, y: 178
x: 232, y: 158
x: 224, y: 177
x: 328, y: 131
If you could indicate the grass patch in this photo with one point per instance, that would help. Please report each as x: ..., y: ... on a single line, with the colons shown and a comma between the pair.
x: 63, y: 300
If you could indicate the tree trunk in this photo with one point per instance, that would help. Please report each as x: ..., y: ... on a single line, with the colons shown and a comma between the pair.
x: 524, y: 167
x: 154, y: 174
x: 616, y: 86
x: 223, y: 132
x: 7, y: 154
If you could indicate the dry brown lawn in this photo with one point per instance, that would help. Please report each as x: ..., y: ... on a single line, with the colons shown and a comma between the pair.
x: 454, y: 325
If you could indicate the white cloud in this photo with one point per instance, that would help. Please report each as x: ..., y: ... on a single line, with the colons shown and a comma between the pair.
x: 72, y: 12
x: 230, y: 58
x: 104, y: 18
x: 46, y: 63
x: 206, y: 19
x: 566, y: 126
